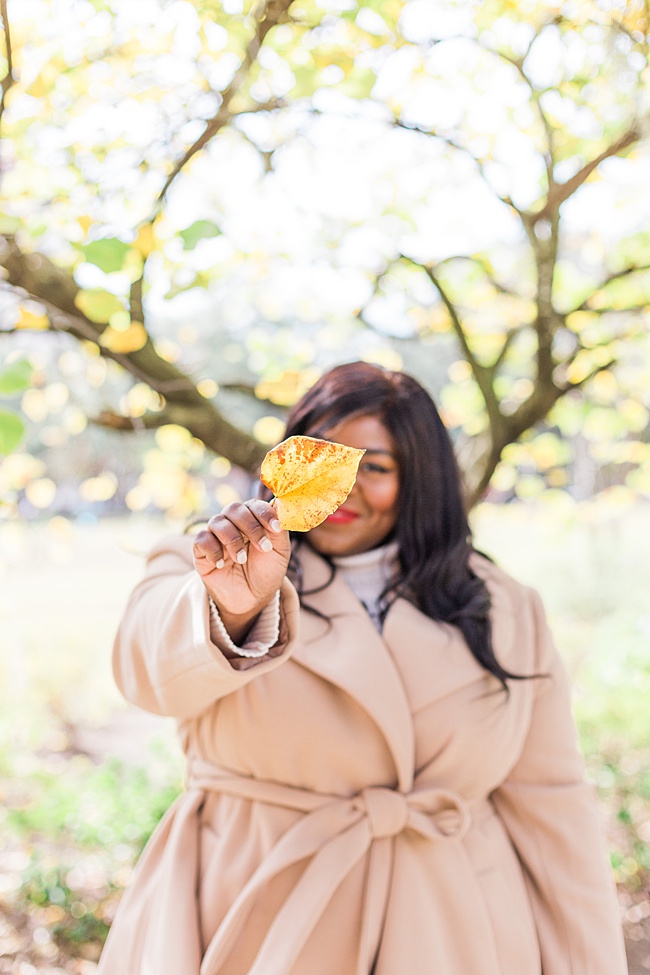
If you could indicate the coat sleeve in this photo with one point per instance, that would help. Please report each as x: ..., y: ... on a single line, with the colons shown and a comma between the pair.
x: 163, y: 658
x: 553, y: 818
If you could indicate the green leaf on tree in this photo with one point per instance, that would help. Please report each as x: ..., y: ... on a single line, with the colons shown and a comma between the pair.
x: 9, y: 224
x: 199, y: 230
x: 15, y: 378
x: 12, y: 429
x: 359, y: 84
x: 98, y: 305
x: 107, y: 254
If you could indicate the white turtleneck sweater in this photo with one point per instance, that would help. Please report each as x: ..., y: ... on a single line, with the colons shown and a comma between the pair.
x: 367, y: 575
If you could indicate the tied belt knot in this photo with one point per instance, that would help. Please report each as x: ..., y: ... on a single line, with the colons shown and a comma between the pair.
x: 386, y: 809
x: 442, y: 813
x: 333, y: 836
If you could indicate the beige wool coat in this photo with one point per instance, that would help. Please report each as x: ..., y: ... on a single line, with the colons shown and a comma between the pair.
x: 359, y: 802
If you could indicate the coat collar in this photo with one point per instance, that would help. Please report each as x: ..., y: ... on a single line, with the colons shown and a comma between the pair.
x: 350, y: 653
x: 434, y: 657
x: 412, y: 664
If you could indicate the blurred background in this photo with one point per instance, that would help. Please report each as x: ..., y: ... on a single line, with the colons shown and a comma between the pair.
x: 205, y: 204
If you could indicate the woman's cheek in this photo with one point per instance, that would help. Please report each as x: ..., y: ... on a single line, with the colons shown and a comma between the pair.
x: 387, y: 499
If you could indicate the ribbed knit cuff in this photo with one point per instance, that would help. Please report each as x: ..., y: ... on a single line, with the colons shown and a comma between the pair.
x: 263, y: 635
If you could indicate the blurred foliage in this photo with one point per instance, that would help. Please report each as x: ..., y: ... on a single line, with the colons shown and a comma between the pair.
x: 75, y: 833
x: 14, y: 378
x: 248, y: 219
x: 78, y: 803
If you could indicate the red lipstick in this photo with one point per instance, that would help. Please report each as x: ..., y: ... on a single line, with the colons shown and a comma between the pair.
x: 342, y: 517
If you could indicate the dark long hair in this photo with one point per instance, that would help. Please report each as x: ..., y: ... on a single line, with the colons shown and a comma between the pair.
x: 432, y: 530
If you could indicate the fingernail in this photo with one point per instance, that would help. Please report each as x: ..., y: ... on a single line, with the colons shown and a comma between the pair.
x: 219, y: 564
x: 276, y: 526
x: 241, y: 556
x: 266, y: 544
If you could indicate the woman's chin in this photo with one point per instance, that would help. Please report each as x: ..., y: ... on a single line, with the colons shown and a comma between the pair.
x: 327, y: 542
x: 333, y: 540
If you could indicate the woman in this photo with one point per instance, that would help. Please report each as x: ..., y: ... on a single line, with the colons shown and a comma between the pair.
x: 382, y: 768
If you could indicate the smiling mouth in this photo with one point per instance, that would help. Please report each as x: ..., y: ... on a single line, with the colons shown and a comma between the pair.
x: 342, y: 517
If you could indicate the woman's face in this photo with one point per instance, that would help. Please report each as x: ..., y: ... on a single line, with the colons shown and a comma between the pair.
x: 369, y: 513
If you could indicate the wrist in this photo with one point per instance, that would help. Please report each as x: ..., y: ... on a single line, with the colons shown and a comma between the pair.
x: 263, y: 633
x: 237, y: 625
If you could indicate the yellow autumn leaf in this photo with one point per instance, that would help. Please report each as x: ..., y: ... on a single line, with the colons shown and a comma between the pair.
x: 27, y: 319
x: 146, y: 240
x: 310, y: 478
x: 120, y: 341
x: 38, y: 87
x: 85, y: 222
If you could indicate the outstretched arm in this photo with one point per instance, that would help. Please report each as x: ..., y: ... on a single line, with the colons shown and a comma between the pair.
x: 164, y: 659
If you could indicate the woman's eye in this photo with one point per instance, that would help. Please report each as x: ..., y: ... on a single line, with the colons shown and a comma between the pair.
x: 375, y: 469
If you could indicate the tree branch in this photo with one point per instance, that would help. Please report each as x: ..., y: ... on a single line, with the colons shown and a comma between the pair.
x: 509, y: 339
x: 136, y: 309
x: 184, y: 404
x: 614, y: 276
x: 642, y: 306
x: 8, y: 79
x: 548, y: 320
x: 271, y: 13
x: 266, y: 155
x: 481, y: 374
x: 501, y: 288
x: 59, y: 321
x: 84, y: 330
x: 558, y: 193
x: 567, y: 387
x: 398, y: 123
x: 245, y: 388
x: 430, y: 271
x: 529, y: 413
x: 562, y: 191
x: 36, y: 277
x: 518, y: 64
x: 131, y: 424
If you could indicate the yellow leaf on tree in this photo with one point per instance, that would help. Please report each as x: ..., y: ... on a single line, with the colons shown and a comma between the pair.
x: 310, y: 478
x: 145, y: 241
x: 27, y: 319
x: 85, y: 222
x: 38, y: 87
x: 130, y: 340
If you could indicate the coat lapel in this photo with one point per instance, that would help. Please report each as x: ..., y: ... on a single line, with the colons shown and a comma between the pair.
x: 434, y: 658
x: 412, y: 664
x: 350, y: 653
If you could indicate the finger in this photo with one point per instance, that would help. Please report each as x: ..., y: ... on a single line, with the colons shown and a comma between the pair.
x: 265, y: 514
x: 251, y: 529
x: 209, y: 549
x: 228, y: 534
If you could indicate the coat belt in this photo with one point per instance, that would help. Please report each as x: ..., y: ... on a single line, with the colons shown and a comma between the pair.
x: 334, y: 835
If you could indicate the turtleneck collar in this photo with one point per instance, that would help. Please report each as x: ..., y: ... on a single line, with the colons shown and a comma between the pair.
x: 367, y: 574
x: 383, y: 555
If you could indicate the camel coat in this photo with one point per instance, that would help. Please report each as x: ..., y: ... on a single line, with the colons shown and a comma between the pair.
x: 359, y: 802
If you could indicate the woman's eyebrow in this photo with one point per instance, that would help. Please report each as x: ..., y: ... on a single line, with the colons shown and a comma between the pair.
x: 317, y: 435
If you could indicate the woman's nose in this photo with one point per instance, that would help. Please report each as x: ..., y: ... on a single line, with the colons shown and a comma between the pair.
x: 356, y: 487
